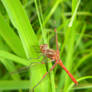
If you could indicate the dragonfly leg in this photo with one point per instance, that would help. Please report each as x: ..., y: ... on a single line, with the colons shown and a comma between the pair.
x: 45, y: 75
x: 50, y: 70
x: 47, y: 61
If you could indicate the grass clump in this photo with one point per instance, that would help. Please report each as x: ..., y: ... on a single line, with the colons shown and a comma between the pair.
x: 28, y: 23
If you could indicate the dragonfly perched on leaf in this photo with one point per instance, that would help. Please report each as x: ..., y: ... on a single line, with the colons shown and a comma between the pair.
x: 53, y: 55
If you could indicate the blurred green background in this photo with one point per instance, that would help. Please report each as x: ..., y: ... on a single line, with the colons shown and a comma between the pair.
x: 25, y: 24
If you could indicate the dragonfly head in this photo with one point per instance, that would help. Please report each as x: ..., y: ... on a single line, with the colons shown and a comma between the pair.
x: 43, y: 47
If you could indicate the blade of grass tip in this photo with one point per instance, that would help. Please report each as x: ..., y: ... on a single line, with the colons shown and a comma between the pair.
x: 75, y: 9
x: 11, y: 38
x: 83, y: 86
x: 21, y: 23
x: 80, y: 79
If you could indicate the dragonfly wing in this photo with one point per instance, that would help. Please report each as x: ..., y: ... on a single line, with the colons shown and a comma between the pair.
x: 25, y: 68
x: 36, y: 48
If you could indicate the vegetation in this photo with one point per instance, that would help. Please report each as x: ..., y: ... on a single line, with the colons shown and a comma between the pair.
x: 25, y: 24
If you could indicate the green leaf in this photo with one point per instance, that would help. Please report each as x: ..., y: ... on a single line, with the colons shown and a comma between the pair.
x: 20, y: 21
x: 10, y: 37
x: 14, y: 84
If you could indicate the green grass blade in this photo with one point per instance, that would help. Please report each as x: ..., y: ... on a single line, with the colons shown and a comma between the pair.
x: 10, y: 37
x: 10, y: 67
x: 52, y: 11
x: 82, y: 60
x: 70, y: 39
x: 8, y: 64
x: 14, y: 58
x: 75, y: 9
x: 22, y: 24
x: 14, y: 84
x: 42, y: 29
x: 28, y: 38
x: 19, y: 38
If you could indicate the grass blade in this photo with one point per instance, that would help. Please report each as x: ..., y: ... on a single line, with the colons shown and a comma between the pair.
x: 28, y: 38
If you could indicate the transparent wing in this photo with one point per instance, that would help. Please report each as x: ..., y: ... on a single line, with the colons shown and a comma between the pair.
x: 25, y: 68
x: 36, y: 48
x: 43, y: 61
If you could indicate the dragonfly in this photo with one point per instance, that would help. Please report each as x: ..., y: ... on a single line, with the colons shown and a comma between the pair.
x: 53, y: 55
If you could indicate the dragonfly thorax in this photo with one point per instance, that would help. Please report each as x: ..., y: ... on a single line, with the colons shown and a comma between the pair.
x: 50, y: 53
